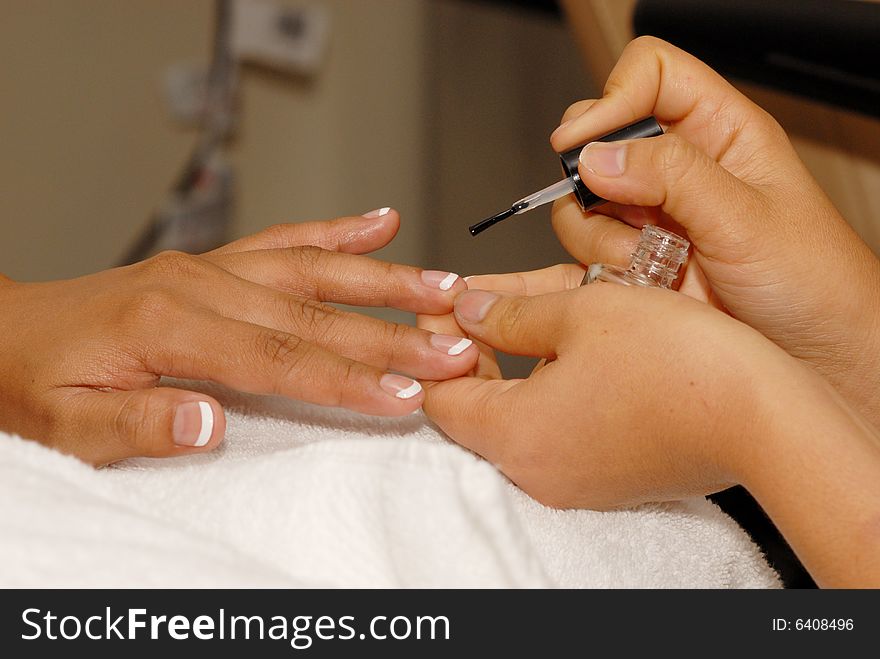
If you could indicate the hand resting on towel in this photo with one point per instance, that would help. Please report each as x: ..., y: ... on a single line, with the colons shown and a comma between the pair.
x: 81, y: 359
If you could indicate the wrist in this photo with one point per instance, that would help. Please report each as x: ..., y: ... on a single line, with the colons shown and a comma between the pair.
x: 847, y: 352
x: 812, y: 465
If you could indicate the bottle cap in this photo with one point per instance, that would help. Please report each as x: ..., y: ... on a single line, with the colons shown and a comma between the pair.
x: 648, y: 127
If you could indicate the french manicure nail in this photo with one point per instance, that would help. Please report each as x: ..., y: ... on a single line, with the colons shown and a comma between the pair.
x: 451, y: 345
x: 399, y: 386
x: 379, y: 212
x: 193, y: 424
x: 439, y: 279
x: 472, y: 306
x: 604, y: 158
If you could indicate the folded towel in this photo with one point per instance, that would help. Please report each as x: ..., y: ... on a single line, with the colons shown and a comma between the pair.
x: 305, y: 496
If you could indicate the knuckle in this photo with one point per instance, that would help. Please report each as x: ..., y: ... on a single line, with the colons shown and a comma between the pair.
x: 150, y: 305
x: 509, y: 321
x: 277, y: 235
x: 349, y: 378
x: 313, y: 318
x: 309, y: 257
x: 286, y: 354
x: 135, y: 424
x: 600, y: 239
x: 646, y: 43
x: 576, y: 109
x: 565, y: 276
x: 310, y: 262
x: 394, y: 340
x: 172, y: 264
x: 674, y: 160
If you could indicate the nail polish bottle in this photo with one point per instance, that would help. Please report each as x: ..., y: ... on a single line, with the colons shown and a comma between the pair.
x: 655, y: 262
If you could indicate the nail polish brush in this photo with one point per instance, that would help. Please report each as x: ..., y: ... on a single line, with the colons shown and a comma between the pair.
x: 572, y: 184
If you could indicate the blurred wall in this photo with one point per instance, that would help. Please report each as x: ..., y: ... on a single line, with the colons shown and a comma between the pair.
x: 88, y: 149
x: 500, y: 81
x: 86, y: 146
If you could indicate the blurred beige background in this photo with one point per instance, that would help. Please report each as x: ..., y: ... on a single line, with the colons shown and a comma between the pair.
x: 440, y: 108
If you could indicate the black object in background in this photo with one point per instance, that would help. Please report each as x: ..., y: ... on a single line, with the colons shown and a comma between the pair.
x: 827, y: 50
x: 740, y: 505
x: 547, y: 6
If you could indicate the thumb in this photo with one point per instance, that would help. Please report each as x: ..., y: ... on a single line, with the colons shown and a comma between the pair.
x: 158, y: 422
x: 517, y: 325
x: 719, y: 211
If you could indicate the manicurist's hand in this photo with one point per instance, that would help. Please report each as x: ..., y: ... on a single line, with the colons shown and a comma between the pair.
x: 769, y: 246
x: 649, y: 395
x: 81, y: 359
x: 644, y: 394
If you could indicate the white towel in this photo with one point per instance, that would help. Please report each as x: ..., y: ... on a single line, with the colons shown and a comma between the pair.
x: 305, y: 496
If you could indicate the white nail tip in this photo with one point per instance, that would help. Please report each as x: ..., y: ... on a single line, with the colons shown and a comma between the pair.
x: 448, y: 281
x: 459, y: 347
x: 207, y: 424
x: 410, y: 391
x: 384, y: 211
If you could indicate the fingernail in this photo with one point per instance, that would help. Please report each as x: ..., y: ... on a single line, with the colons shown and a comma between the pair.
x: 473, y: 306
x: 451, y: 345
x: 604, y: 159
x: 193, y: 424
x: 439, y: 279
x: 399, y: 386
x: 379, y: 212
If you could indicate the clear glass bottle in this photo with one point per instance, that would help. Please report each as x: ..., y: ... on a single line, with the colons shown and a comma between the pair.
x: 655, y: 262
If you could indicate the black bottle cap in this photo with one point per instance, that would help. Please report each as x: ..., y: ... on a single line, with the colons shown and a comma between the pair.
x: 648, y: 127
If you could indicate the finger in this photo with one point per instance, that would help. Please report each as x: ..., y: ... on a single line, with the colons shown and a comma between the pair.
x: 385, y: 345
x: 634, y: 216
x: 477, y: 412
x: 255, y: 359
x: 531, y: 326
x: 330, y: 276
x: 576, y: 110
x: 593, y: 237
x: 487, y: 362
x: 718, y: 210
x: 655, y: 77
x: 536, y: 282
x: 156, y: 422
x: 439, y: 324
x: 359, y: 234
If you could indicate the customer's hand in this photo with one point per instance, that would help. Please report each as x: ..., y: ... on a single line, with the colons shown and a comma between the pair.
x: 81, y: 359
x: 769, y: 247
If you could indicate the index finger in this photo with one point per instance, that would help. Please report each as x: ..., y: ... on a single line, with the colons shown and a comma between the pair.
x: 358, y: 234
x: 330, y: 276
x: 654, y: 77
